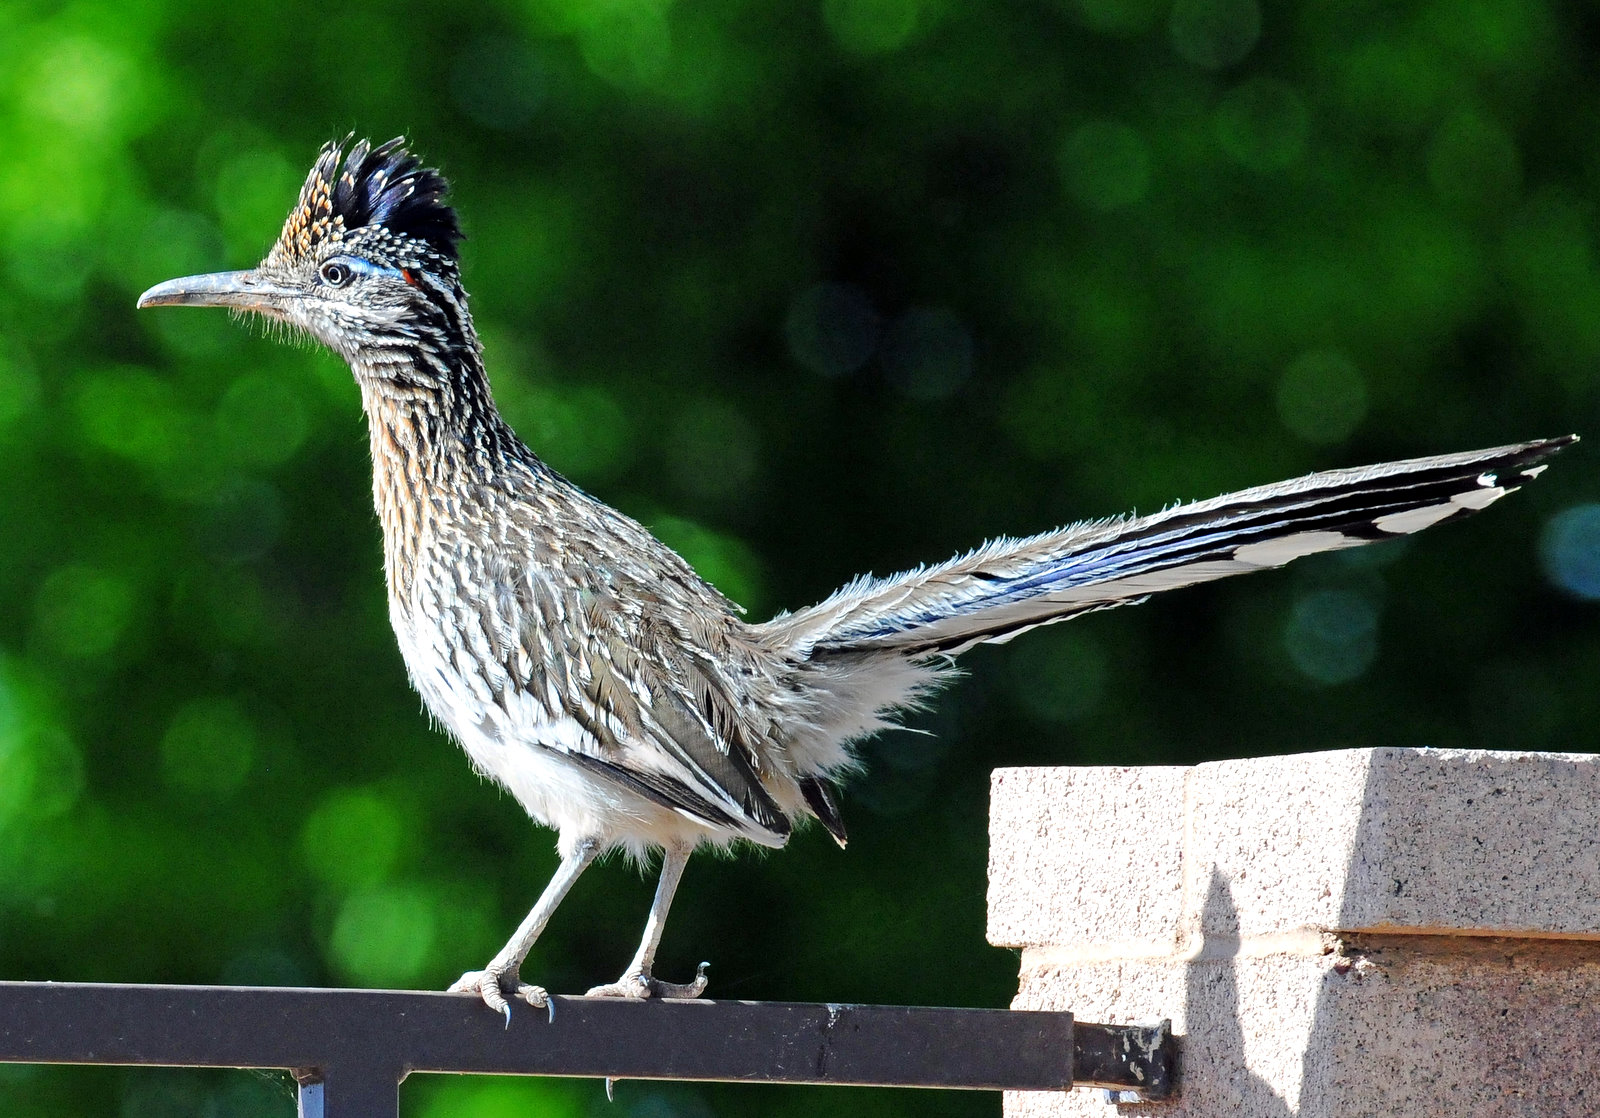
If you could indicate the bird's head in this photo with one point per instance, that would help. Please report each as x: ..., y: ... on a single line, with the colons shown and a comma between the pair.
x: 366, y: 263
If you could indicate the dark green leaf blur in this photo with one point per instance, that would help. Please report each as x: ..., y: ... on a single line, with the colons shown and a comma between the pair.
x: 812, y: 289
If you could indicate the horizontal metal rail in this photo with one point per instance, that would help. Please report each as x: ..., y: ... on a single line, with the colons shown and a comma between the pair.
x: 349, y: 1049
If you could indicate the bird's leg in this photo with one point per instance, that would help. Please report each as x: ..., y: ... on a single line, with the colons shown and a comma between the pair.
x: 637, y: 981
x: 500, y: 977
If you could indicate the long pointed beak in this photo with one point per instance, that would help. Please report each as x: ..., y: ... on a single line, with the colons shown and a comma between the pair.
x: 241, y: 290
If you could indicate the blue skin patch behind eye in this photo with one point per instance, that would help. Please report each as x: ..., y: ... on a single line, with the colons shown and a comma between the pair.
x: 361, y: 267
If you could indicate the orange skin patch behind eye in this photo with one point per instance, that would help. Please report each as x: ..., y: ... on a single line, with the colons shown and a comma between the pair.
x: 411, y: 279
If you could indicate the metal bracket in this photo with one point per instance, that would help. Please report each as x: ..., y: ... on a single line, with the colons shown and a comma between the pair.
x: 1135, y: 1063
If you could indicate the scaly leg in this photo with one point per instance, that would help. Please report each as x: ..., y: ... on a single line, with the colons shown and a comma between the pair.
x: 500, y: 977
x: 637, y: 981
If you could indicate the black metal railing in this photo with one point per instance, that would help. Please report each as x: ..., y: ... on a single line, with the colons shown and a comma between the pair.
x: 349, y: 1049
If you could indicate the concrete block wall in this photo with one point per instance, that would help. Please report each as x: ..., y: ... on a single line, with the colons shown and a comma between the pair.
x: 1377, y: 932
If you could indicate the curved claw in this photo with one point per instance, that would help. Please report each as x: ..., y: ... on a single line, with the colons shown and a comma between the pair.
x: 493, y: 986
x: 640, y: 984
x: 692, y: 989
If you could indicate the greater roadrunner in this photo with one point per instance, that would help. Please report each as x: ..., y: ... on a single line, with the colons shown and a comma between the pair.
x: 581, y: 663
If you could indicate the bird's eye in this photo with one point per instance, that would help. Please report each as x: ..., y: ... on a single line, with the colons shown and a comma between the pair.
x: 335, y: 274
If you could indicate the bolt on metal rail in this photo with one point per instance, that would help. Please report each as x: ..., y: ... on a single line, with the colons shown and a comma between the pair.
x: 350, y: 1049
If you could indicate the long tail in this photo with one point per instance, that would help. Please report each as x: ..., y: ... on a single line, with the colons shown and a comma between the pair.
x: 1011, y: 585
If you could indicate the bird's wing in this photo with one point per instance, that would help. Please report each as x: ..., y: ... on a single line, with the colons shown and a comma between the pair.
x: 653, y: 702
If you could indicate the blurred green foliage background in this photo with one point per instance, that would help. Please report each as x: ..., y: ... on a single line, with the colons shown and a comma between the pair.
x: 811, y: 288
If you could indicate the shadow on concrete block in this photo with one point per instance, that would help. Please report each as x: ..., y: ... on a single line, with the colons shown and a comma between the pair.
x: 1368, y: 932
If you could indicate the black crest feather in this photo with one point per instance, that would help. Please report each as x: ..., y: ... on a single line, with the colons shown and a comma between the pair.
x: 367, y: 186
x: 389, y: 186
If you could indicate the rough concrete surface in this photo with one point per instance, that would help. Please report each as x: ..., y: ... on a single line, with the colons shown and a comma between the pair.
x: 1086, y: 855
x: 1360, y: 840
x: 1403, y: 839
x: 1366, y: 932
x: 1386, y: 1027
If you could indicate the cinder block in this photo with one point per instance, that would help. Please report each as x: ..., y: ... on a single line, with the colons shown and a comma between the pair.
x: 1405, y: 840
x: 1086, y: 856
x: 1384, y: 932
x: 1384, y: 840
x: 1379, y: 1027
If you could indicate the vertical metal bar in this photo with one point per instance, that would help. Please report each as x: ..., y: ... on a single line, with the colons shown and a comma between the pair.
x: 349, y: 1091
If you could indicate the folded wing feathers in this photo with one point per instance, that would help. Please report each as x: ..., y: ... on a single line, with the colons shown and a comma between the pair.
x: 1009, y: 585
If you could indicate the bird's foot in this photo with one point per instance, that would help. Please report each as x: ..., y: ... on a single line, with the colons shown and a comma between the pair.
x: 638, y: 984
x: 494, y: 987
